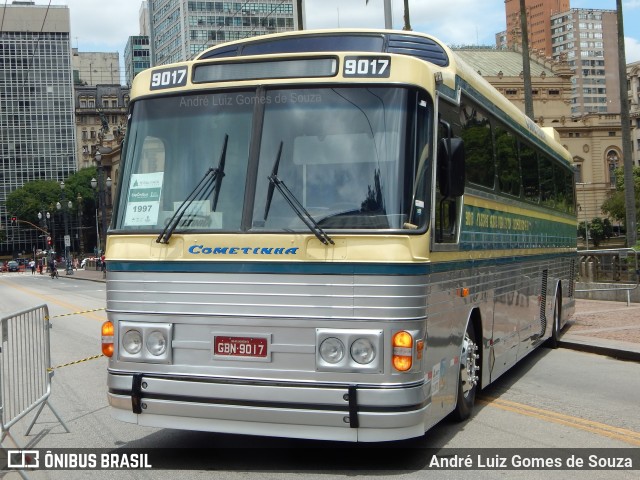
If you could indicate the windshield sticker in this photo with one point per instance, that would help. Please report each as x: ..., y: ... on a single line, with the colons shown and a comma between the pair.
x: 144, y: 199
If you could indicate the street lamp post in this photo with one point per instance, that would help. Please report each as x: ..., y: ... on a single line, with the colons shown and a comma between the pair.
x: 99, y: 187
x: 81, y: 239
x: 43, y: 217
x: 67, y: 238
x: 586, y: 215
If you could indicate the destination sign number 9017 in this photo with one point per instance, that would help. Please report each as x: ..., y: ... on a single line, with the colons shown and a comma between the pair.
x: 168, y: 78
x: 367, y: 66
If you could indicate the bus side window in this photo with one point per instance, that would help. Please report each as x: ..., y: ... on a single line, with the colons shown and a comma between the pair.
x: 450, y: 164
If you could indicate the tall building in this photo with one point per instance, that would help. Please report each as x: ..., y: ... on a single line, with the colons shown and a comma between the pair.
x: 143, y: 18
x: 36, y: 107
x: 95, y: 68
x: 180, y: 29
x: 539, y: 13
x: 137, y: 52
x: 588, y: 39
x: 101, y: 117
x: 136, y: 56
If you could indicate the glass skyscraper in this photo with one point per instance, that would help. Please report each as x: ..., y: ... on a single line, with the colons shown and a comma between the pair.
x: 36, y: 108
x: 180, y: 29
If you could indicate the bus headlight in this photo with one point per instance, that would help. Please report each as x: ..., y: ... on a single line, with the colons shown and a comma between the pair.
x: 363, y: 351
x: 132, y: 341
x: 156, y: 343
x: 332, y: 350
x: 349, y: 350
x: 144, y: 342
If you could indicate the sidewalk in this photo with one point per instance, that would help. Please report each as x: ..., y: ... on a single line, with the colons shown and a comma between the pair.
x: 605, y: 328
x: 82, y: 274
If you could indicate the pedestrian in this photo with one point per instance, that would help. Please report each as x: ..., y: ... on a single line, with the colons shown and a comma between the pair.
x: 32, y: 265
x: 53, y: 268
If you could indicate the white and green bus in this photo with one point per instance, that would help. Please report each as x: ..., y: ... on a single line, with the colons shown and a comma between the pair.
x: 339, y: 234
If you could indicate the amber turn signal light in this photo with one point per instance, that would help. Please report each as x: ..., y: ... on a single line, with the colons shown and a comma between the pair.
x: 402, y: 351
x: 107, y: 338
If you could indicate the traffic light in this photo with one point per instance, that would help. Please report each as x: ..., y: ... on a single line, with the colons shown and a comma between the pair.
x: 14, y: 221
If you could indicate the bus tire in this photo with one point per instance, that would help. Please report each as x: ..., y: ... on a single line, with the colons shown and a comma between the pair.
x: 554, y: 340
x: 468, y: 377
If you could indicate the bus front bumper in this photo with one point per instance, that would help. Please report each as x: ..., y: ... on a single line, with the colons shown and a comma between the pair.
x: 269, y: 408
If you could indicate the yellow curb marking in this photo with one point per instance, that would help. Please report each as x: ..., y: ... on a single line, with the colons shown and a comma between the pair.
x: 622, y: 434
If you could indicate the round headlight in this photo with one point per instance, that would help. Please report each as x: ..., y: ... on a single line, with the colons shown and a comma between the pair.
x: 156, y: 343
x: 331, y: 350
x: 362, y: 351
x: 132, y: 341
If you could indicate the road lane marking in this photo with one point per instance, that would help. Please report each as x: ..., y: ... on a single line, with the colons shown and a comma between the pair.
x: 49, y: 299
x: 628, y: 436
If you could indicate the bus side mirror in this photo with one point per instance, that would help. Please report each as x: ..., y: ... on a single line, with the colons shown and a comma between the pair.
x: 451, y: 170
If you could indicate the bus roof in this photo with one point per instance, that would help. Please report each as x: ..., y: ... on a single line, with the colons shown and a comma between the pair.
x: 413, y: 44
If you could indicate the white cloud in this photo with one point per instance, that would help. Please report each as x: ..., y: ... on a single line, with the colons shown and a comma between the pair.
x: 442, y: 19
x: 105, y: 25
x: 631, y: 50
x: 101, y: 24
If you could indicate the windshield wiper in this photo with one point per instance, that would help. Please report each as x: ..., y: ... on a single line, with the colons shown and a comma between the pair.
x: 294, y: 203
x: 209, y: 183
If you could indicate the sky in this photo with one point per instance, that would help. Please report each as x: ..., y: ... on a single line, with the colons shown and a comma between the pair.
x: 104, y: 26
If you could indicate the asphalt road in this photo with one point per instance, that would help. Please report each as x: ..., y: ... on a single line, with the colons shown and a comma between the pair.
x: 557, y: 399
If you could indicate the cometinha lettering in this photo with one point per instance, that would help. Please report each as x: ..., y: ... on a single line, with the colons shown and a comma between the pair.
x: 202, y: 250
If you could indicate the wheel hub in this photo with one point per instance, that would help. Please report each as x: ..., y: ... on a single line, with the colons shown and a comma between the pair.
x: 469, y: 365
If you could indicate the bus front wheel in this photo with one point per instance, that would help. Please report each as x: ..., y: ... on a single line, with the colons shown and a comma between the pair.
x: 468, y: 375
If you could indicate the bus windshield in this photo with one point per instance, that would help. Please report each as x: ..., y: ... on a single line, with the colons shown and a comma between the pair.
x: 346, y: 157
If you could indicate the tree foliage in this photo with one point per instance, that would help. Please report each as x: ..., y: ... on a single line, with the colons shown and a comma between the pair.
x: 599, y: 230
x: 615, y: 206
x: 42, y: 195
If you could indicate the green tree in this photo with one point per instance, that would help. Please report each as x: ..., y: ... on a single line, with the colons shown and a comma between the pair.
x: 596, y: 231
x: 33, y: 197
x: 582, y: 232
x: 615, y: 206
x: 608, y: 228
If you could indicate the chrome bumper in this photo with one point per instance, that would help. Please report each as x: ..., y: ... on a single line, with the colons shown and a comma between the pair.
x: 326, y: 412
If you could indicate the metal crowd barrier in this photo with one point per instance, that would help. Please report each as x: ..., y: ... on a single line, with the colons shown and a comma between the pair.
x: 25, y: 369
x: 608, y: 265
x: 609, y: 271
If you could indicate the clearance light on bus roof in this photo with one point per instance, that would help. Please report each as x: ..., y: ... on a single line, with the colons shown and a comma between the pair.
x: 107, y: 339
x: 402, y: 351
x: 227, y: 72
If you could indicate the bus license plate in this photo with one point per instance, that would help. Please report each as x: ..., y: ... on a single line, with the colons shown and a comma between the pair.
x: 231, y: 346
